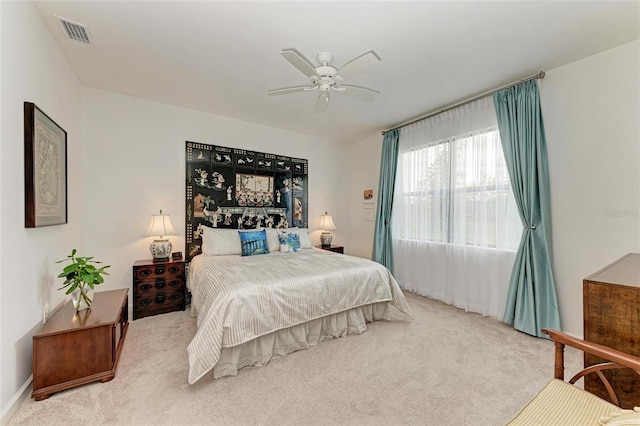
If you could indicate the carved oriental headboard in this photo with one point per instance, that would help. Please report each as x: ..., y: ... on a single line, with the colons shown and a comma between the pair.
x: 241, y: 189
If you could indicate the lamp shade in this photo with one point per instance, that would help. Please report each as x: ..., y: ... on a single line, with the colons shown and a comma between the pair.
x: 326, y: 222
x: 161, y: 225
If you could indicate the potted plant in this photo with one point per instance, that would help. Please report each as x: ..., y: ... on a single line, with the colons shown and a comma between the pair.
x: 81, y: 275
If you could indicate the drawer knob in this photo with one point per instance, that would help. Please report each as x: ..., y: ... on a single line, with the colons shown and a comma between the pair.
x: 159, y: 269
x: 145, y: 272
x: 174, y: 297
x: 160, y: 298
x: 174, y: 269
x: 174, y: 283
x: 160, y: 283
x: 145, y: 302
x: 146, y: 287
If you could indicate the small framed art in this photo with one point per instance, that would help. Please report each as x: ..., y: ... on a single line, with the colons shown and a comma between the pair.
x: 45, y: 169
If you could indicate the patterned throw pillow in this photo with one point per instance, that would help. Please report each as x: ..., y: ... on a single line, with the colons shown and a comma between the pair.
x: 289, y: 241
x: 253, y: 242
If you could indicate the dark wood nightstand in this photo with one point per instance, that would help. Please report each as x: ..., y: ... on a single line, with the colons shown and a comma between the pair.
x: 335, y: 249
x: 76, y: 348
x: 158, y: 287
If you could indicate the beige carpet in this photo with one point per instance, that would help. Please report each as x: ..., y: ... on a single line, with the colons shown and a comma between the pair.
x: 445, y: 367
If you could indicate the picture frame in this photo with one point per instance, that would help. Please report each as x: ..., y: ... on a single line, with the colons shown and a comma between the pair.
x: 45, y: 169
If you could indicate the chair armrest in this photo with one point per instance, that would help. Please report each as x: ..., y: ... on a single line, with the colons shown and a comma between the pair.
x: 605, y: 352
x: 615, y: 359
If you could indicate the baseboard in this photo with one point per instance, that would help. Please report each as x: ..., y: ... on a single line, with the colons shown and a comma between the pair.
x: 14, y: 404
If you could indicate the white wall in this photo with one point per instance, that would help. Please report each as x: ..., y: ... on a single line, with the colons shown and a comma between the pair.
x: 33, y: 69
x: 591, y: 110
x: 366, y: 154
x: 134, y: 164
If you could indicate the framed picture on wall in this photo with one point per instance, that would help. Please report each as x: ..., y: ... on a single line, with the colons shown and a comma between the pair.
x: 45, y: 169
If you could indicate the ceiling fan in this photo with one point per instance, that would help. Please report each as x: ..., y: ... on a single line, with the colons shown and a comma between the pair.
x: 326, y: 78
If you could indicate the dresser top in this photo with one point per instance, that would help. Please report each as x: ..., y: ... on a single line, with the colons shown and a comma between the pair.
x: 104, y: 310
x: 624, y: 271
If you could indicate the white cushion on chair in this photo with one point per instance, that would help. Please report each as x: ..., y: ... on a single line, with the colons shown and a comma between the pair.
x: 561, y: 403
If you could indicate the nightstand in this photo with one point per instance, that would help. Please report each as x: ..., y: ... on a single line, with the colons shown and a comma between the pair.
x: 158, y: 287
x: 335, y: 249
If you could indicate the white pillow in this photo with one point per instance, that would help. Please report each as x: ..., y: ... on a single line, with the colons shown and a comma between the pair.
x: 272, y: 240
x: 220, y: 241
x: 305, y: 242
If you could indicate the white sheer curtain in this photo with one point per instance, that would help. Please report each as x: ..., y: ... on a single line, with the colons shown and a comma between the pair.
x: 455, y: 223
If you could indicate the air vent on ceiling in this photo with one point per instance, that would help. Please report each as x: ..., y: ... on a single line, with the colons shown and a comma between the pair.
x: 75, y: 31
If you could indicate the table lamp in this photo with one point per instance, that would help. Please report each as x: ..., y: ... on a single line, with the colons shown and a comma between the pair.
x: 161, y: 226
x: 326, y: 223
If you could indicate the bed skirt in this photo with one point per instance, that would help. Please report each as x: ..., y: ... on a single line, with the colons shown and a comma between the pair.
x: 258, y: 352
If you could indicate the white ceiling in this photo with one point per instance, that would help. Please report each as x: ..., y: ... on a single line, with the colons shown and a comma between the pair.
x: 221, y: 57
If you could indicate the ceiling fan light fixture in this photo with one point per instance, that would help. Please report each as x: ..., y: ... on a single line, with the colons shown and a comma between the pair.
x: 327, y: 77
x: 325, y: 58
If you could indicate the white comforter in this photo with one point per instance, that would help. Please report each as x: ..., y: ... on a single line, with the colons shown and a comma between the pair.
x: 240, y: 298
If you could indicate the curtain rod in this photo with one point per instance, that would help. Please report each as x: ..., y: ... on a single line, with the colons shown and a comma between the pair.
x: 540, y: 75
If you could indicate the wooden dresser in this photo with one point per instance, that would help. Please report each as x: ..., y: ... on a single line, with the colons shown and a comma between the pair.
x: 158, y: 287
x: 612, y: 318
x: 75, y: 348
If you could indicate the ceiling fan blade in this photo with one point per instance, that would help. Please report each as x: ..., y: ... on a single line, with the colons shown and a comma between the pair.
x: 287, y: 90
x: 359, y: 65
x: 322, y: 102
x: 357, y: 92
x: 299, y: 61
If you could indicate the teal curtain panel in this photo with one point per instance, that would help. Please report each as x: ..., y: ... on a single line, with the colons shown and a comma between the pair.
x: 531, y: 300
x: 382, y: 244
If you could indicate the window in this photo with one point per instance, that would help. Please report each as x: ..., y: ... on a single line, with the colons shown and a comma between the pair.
x: 458, y: 191
x: 455, y: 223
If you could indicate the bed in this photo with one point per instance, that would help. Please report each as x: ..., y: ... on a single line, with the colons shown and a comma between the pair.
x: 252, y: 309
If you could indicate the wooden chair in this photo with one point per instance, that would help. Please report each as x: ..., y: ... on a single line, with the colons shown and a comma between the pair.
x: 562, y: 403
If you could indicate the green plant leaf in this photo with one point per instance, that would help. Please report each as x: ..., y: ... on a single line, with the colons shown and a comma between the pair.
x: 69, y: 268
x: 72, y: 288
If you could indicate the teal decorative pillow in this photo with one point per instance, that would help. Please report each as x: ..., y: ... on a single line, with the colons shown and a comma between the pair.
x: 289, y: 241
x: 253, y: 242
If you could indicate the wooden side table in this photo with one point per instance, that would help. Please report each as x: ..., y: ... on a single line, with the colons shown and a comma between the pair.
x: 158, y: 287
x: 76, y: 348
x: 335, y: 249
